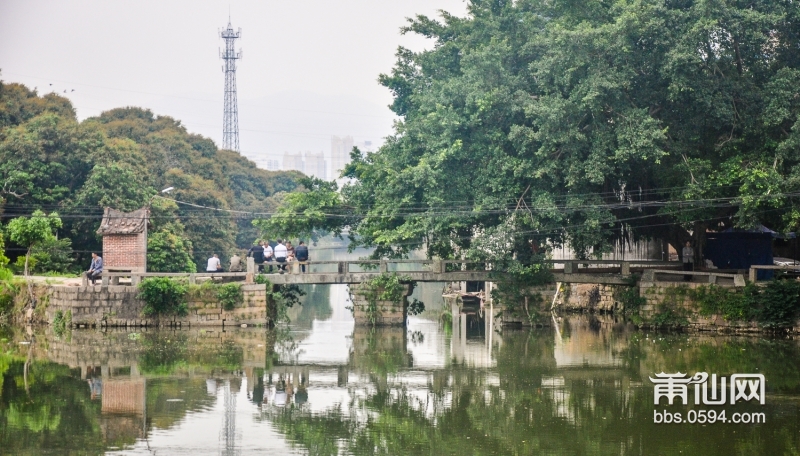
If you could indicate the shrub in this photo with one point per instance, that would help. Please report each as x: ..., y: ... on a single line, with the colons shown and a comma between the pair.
x: 628, y: 295
x: 61, y: 322
x: 386, y: 287
x: 230, y: 296
x: 8, y: 292
x: 776, y: 304
x: 284, y: 296
x: 163, y: 296
x: 779, y: 304
x: 52, y: 255
x: 715, y: 300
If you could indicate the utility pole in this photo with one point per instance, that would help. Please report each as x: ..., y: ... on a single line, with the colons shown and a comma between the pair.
x: 230, y: 120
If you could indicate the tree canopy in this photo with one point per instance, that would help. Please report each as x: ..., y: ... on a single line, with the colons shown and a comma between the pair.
x: 33, y: 231
x: 546, y: 122
x: 120, y: 159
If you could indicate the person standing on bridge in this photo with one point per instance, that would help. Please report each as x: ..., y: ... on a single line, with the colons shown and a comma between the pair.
x: 256, y: 252
x: 301, y: 254
x: 280, y: 256
x: 688, y: 260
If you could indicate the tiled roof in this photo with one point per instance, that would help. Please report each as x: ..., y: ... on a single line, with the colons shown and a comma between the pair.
x: 118, y: 222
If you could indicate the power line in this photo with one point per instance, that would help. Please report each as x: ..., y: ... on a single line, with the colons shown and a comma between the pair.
x: 452, y: 204
x: 721, y: 202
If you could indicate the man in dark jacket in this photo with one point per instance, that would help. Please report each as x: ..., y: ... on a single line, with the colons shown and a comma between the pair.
x: 301, y: 254
x: 257, y: 252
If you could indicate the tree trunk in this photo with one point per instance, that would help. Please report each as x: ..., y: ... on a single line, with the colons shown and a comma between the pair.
x: 27, y: 257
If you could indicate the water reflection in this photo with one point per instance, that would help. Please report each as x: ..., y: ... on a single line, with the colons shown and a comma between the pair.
x: 325, y: 386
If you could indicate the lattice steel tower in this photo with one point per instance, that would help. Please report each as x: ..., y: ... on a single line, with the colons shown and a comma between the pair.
x: 230, y: 120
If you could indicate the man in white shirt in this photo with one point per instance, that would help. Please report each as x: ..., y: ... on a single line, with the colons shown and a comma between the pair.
x: 268, y: 254
x: 214, y: 264
x: 280, y: 256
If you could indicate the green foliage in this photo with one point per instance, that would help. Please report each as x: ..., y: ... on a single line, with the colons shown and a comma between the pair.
x: 3, y: 259
x: 230, y: 296
x: 568, y: 118
x: 287, y: 295
x: 62, y: 321
x: 46, y: 408
x: 774, y: 305
x: 120, y: 159
x: 318, y: 207
x: 52, y: 255
x: 284, y: 296
x: 262, y: 279
x: 388, y: 286
x: 163, y: 296
x: 416, y: 307
x: 779, y: 304
x: 669, y: 317
x: 168, y: 250
x: 8, y: 292
x: 630, y: 298
x: 33, y: 231
x: 7, y: 288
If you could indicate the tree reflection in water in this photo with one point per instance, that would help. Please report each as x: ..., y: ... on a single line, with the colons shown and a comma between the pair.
x: 582, y: 388
x: 586, y: 392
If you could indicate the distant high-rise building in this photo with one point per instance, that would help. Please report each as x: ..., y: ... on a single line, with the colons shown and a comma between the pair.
x: 315, y: 165
x: 293, y: 162
x: 340, y: 154
x: 273, y: 164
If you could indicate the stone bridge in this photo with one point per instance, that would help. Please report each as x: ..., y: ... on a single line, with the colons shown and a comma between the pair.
x: 113, y: 304
x: 611, y: 272
x: 608, y: 272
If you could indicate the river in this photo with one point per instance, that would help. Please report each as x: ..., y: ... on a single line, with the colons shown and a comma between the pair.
x: 321, y: 386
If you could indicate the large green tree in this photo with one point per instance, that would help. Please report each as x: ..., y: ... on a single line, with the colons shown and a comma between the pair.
x: 50, y: 161
x: 33, y: 231
x: 545, y: 122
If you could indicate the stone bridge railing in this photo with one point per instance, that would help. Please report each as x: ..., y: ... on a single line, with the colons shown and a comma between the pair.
x: 437, y: 270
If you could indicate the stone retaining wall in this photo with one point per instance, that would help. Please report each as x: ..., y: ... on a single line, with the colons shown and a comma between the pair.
x: 588, y: 297
x: 117, y: 306
x: 674, y: 297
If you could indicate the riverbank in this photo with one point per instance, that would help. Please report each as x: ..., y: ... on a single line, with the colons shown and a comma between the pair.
x: 68, y: 304
x: 768, y: 307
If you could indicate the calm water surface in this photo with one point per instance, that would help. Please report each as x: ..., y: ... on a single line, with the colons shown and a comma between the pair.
x: 324, y: 387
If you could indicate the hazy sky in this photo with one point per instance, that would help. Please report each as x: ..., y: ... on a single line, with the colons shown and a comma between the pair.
x: 309, y: 71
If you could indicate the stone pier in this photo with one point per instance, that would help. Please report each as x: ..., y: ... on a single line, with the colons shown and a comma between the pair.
x: 384, y: 313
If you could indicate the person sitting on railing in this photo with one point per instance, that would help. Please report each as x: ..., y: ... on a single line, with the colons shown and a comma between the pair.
x: 236, y: 263
x: 214, y: 264
x: 268, y: 254
x: 301, y: 253
x: 289, y: 251
x: 280, y: 256
x: 96, y: 268
x: 688, y: 260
